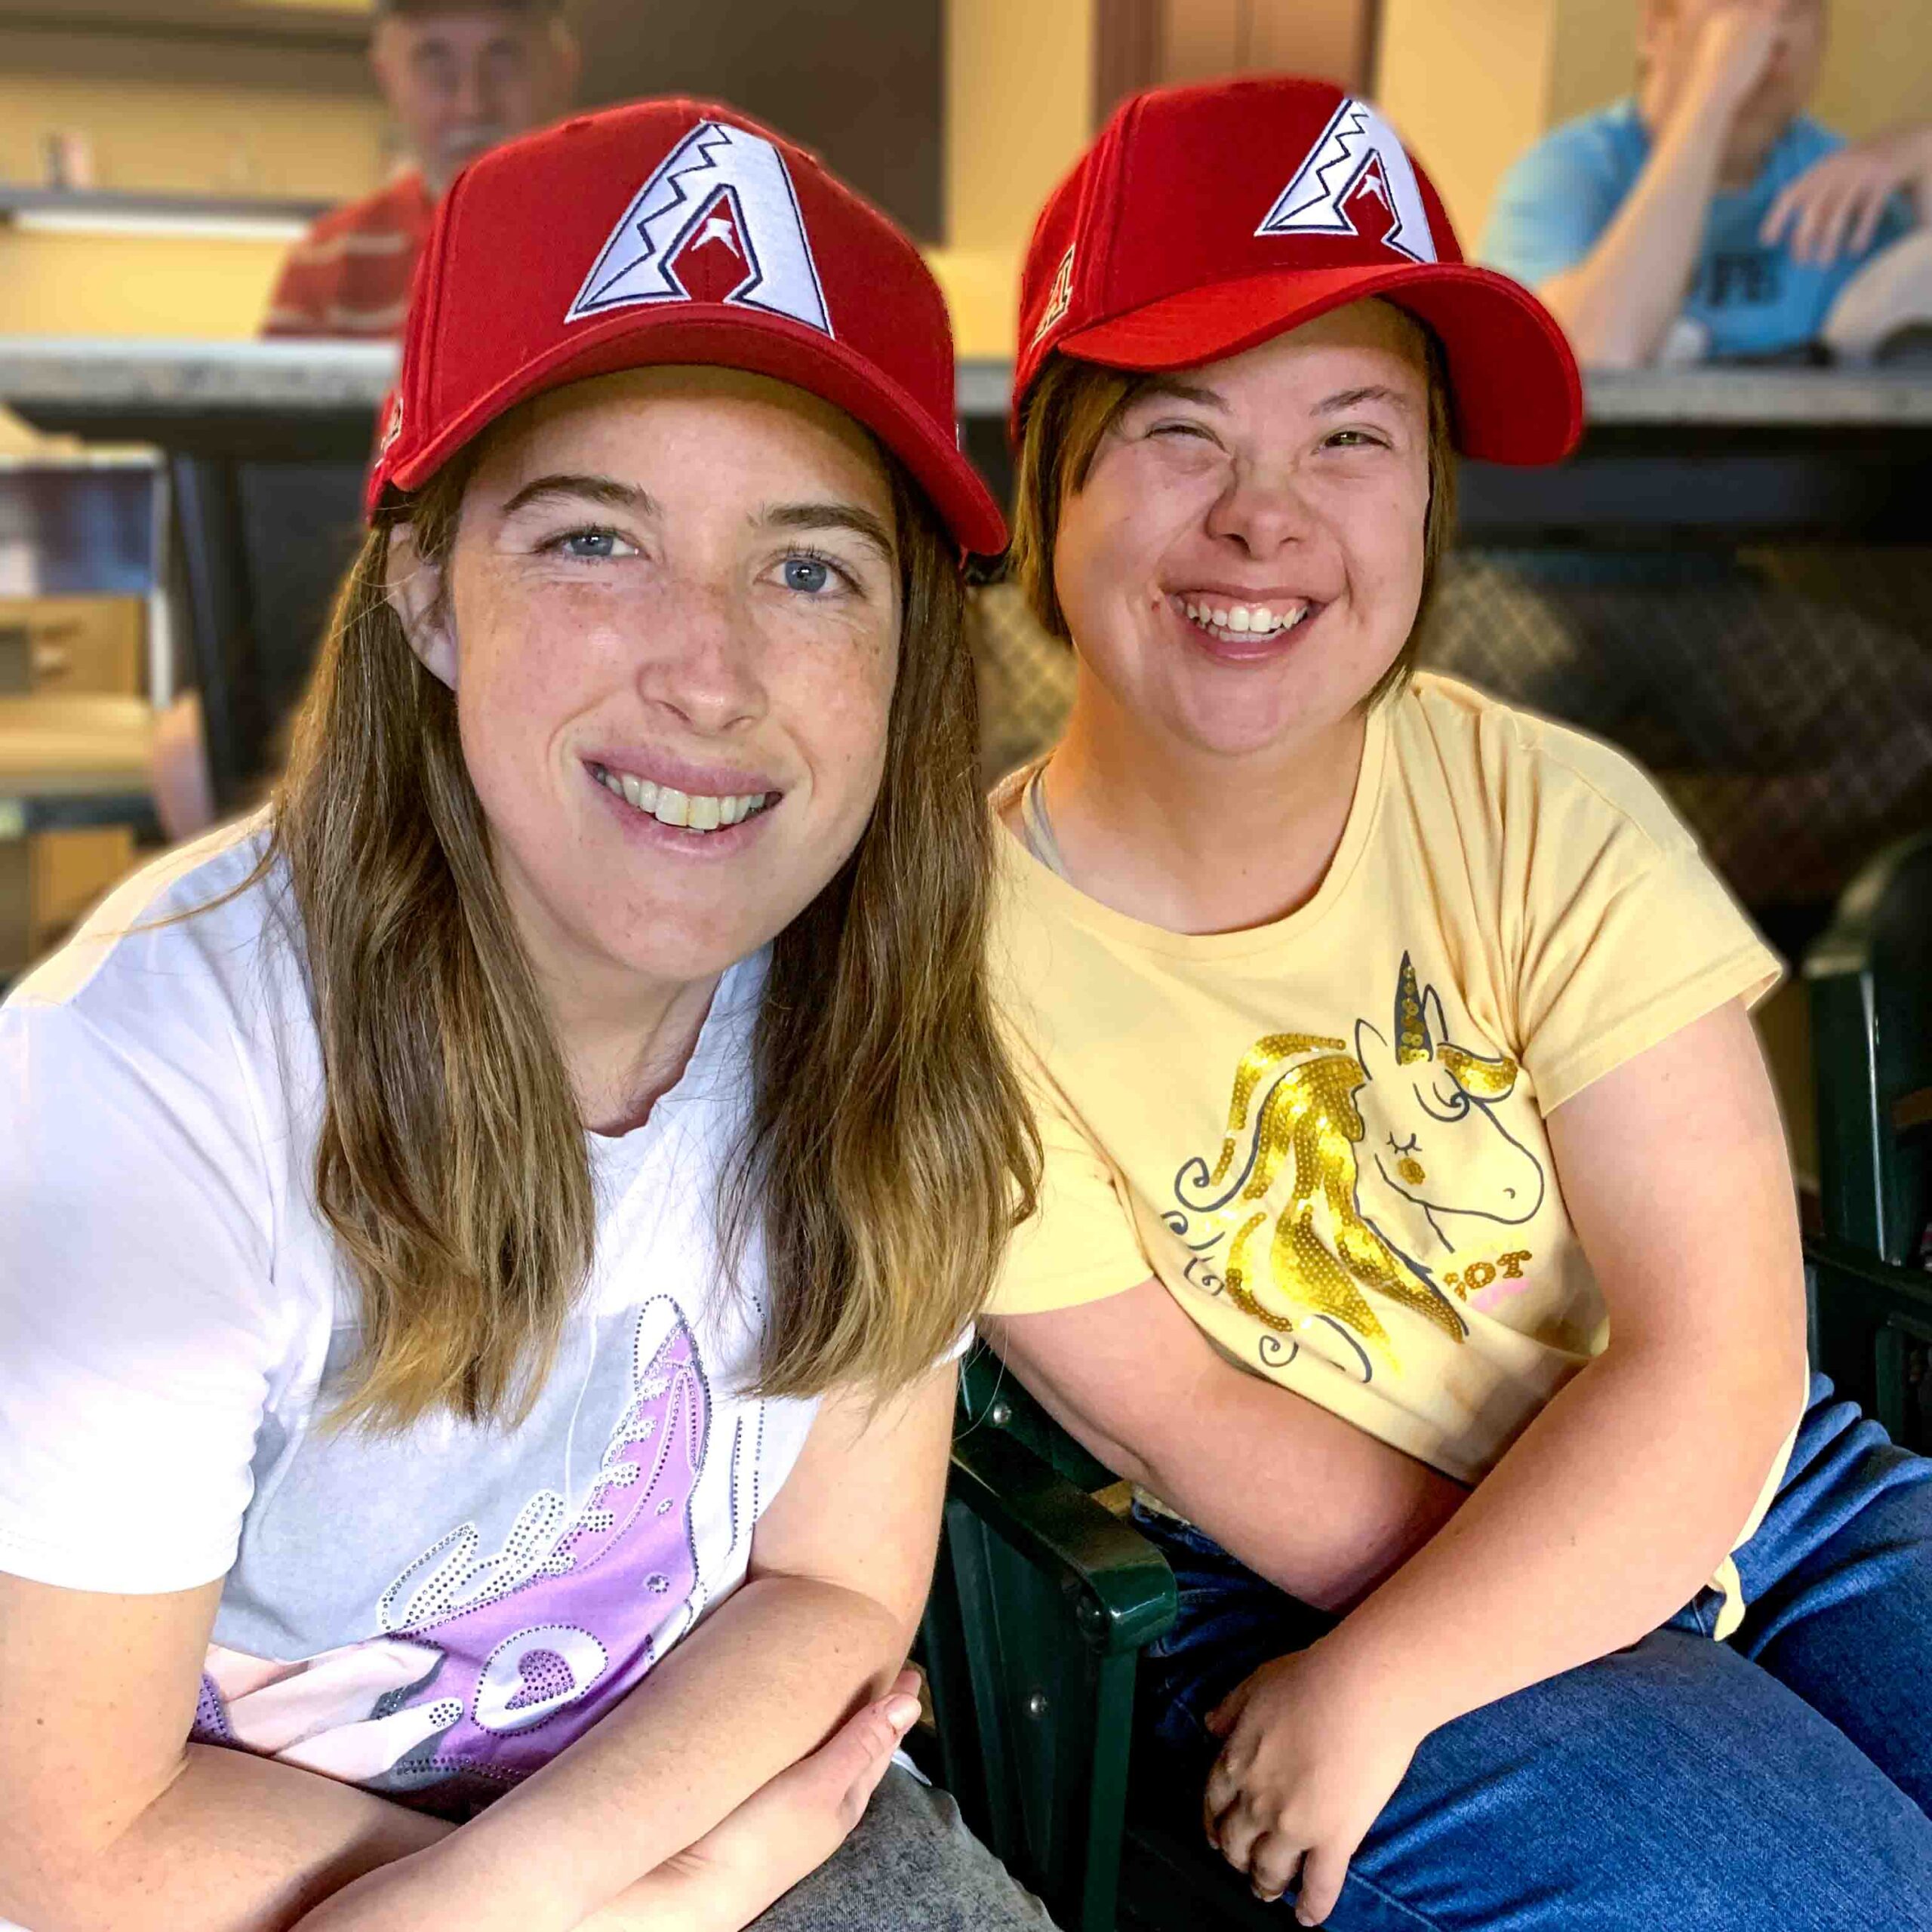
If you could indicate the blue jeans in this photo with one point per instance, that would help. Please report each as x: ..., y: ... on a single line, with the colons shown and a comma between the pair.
x: 1780, y: 1783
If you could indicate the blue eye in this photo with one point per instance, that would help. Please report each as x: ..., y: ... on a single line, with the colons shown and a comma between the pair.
x: 808, y: 574
x: 591, y: 545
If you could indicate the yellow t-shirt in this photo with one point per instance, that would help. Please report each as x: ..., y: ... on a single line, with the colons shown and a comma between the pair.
x: 1326, y: 1135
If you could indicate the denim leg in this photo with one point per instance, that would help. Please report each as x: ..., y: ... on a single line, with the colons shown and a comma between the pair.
x: 1839, y: 1582
x: 1674, y: 1784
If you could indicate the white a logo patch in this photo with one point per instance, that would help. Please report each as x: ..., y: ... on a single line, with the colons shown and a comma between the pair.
x: 717, y: 222
x: 1356, y: 181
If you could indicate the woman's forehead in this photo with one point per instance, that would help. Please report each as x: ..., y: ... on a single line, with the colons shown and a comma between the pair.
x: 1371, y: 332
x: 639, y: 418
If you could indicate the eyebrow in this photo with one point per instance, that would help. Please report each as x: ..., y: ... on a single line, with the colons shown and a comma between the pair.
x: 1369, y: 392
x: 605, y: 490
x: 1174, y: 390
x: 852, y: 517
x: 615, y: 495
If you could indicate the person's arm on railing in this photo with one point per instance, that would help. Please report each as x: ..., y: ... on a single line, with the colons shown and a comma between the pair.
x: 1617, y: 304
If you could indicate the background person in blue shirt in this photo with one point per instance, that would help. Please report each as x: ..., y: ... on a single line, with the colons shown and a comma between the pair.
x: 1708, y: 215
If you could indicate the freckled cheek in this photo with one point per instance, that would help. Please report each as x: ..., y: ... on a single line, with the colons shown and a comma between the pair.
x: 839, y: 715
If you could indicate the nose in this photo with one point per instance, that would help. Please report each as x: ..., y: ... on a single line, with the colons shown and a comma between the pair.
x: 1262, y: 509
x: 475, y: 96
x: 703, y: 667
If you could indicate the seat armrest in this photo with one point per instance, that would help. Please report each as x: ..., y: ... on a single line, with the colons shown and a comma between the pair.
x: 1122, y: 1588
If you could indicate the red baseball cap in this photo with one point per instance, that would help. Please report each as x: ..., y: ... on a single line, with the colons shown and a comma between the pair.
x: 674, y: 231
x: 1205, y: 219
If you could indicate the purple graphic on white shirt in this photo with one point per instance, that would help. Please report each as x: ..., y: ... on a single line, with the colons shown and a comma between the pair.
x: 486, y: 1693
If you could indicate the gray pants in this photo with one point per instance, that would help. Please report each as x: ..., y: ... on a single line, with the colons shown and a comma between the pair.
x: 912, y: 1862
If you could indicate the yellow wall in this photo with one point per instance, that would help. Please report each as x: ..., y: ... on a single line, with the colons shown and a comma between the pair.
x: 144, y: 285
x: 195, y: 139
x: 171, y: 136
x: 1018, y: 108
x: 1464, y: 82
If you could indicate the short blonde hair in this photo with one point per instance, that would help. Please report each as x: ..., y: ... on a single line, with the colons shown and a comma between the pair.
x: 1065, y: 416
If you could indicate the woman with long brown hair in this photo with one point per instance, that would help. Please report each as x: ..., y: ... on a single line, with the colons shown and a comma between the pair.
x: 483, y: 1243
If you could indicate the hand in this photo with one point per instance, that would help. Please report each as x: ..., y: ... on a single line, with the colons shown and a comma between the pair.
x: 1734, y: 42
x: 1834, y: 206
x: 1307, y: 1763
x: 783, y: 1833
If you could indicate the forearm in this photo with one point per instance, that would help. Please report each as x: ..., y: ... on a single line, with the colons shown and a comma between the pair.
x: 752, y: 1690
x: 1609, y: 1511
x: 1618, y: 303
x: 236, y: 1843
x: 1146, y: 1390
x: 1350, y: 1511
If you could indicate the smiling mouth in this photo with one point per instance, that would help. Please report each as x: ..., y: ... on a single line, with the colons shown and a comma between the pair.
x: 694, y: 811
x: 1229, y: 622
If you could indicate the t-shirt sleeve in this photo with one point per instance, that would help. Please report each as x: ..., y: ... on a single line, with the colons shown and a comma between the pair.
x: 137, y: 1332
x: 304, y: 285
x: 1628, y: 935
x: 1549, y: 212
x: 1081, y: 1245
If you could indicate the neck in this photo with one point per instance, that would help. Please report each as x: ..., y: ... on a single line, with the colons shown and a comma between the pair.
x: 1196, y: 841
x: 626, y: 1038
x: 625, y: 1049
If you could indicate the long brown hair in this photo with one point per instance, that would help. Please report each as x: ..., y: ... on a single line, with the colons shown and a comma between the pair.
x: 1065, y: 416
x: 888, y: 1151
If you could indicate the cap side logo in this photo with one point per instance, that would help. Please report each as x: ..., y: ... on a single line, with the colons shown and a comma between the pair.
x: 1060, y: 298
x: 718, y: 221
x: 1356, y: 181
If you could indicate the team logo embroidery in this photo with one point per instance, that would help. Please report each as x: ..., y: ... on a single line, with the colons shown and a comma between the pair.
x: 1356, y: 181
x: 1060, y: 298
x: 393, y: 429
x: 718, y: 221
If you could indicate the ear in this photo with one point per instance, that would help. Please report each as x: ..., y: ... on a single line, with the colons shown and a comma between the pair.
x: 1431, y: 1017
x: 1372, y: 1050
x: 415, y: 589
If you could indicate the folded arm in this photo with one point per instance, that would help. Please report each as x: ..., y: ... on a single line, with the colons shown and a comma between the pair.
x: 1616, y: 1505
x: 1134, y: 1380
x: 110, y: 1821
x: 1611, y: 1510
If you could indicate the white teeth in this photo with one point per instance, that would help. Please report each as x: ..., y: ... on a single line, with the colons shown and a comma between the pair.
x: 701, y: 812
x: 1244, y: 619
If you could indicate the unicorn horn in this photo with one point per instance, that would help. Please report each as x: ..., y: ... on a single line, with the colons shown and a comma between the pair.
x: 1412, y: 1040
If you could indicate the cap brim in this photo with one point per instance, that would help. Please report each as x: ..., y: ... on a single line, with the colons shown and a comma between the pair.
x: 1516, y: 394
x: 772, y: 346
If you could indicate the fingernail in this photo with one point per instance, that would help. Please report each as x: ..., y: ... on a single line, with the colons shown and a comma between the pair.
x: 902, y: 1713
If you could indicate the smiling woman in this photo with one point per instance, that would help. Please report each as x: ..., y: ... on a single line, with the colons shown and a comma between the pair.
x: 512, y: 1207
x: 1416, y: 1227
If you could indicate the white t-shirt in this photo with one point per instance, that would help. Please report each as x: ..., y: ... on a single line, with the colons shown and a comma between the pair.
x: 439, y: 1613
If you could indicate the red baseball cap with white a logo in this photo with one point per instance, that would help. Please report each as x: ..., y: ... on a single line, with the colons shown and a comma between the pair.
x: 1205, y: 219
x: 674, y: 231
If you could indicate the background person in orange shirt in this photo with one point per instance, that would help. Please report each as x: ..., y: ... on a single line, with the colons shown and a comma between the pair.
x: 461, y: 76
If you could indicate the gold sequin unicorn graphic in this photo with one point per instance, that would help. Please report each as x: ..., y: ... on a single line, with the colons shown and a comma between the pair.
x: 1357, y: 1160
